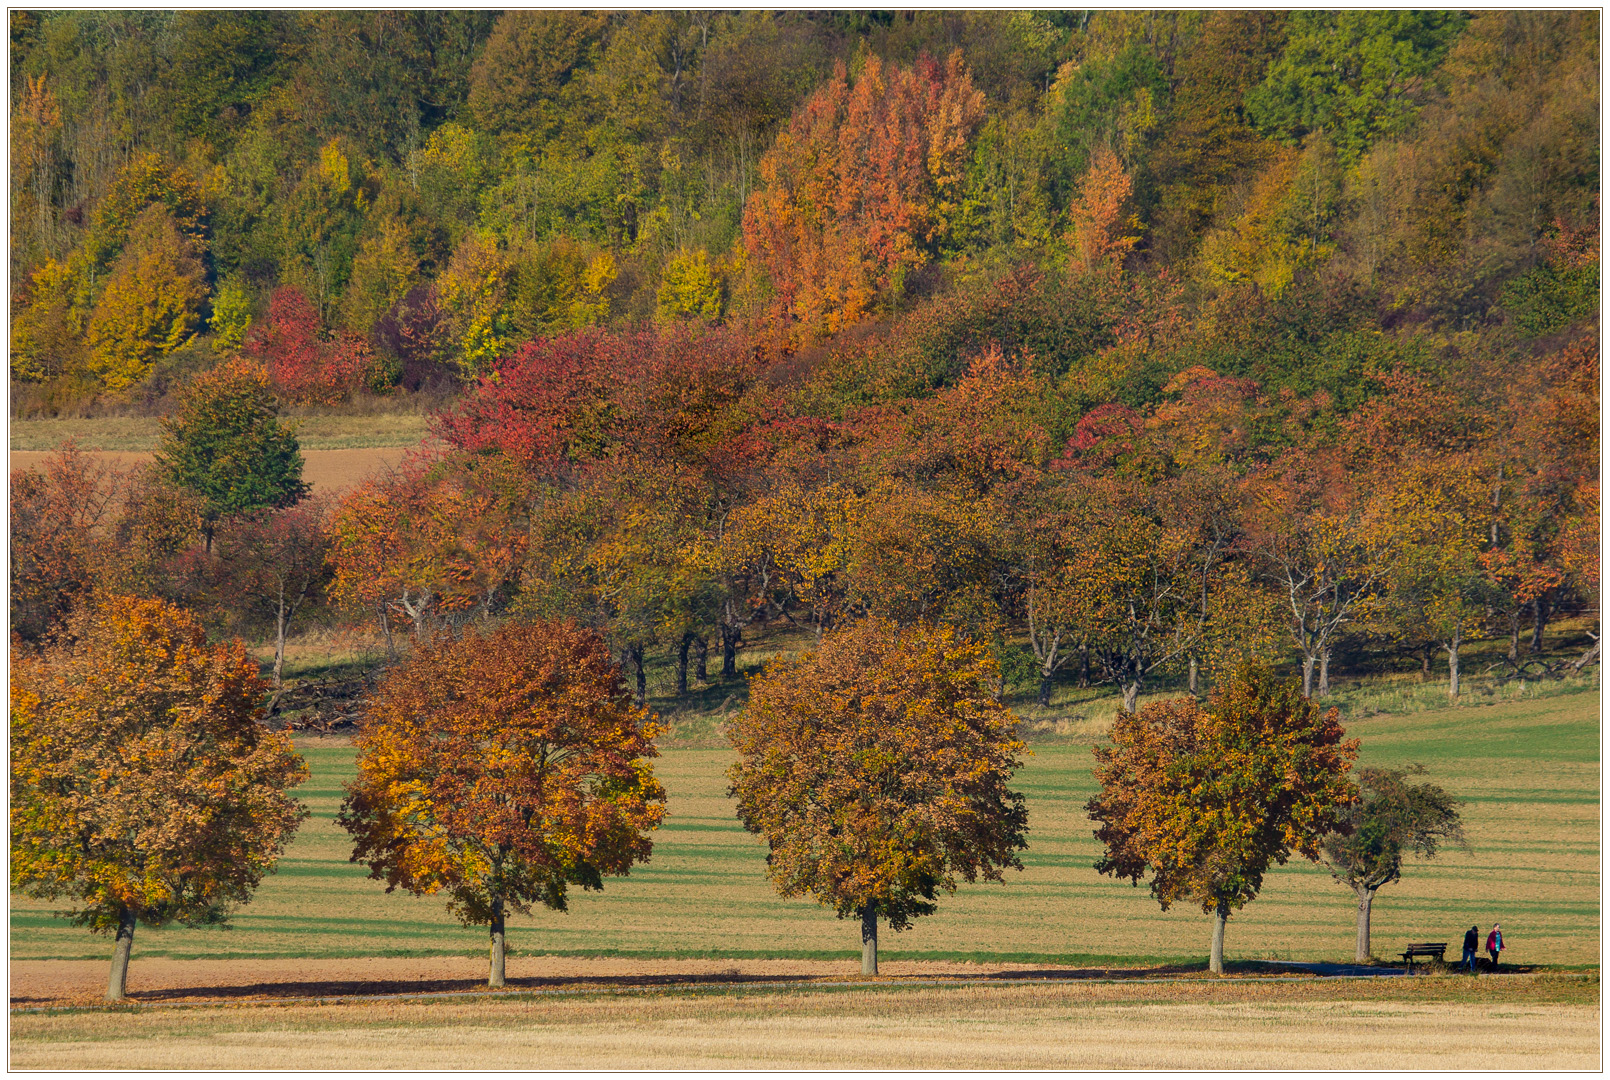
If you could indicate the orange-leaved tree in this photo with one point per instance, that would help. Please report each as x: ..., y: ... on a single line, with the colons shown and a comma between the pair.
x: 143, y: 786
x: 861, y: 187
x: 502, y: 768
x: 876, y: 769
x: 1205, y: 799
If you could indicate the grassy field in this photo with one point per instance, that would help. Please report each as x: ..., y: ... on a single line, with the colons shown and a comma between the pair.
x: 1528, y: 770
x: 1450, y: 1023
x: 142, y: 433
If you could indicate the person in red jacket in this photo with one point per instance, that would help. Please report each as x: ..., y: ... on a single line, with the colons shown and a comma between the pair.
x: 1495, y: 944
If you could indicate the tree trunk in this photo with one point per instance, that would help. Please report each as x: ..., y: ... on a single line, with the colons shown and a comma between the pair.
x: 635, y: 655
x: 729, y: 650
x: 279, y: 655
x: 1515, y: 635
x: 1324, y: 673
x: 1425, y: 662
x: 1084, y: 665
x: 1131, y: 692
x: 701, y: 652
x: 1192, y: 676
x: 1216, y: 958
x: 682, y: 665
x: 1308, y: 676
x: 1361, y: 948
x: 1046, y: 679
x: 117, y: 987
x: 1539, y: 617
x: 869, y: 938
x: 495, y: 980
x: 1453, y: 662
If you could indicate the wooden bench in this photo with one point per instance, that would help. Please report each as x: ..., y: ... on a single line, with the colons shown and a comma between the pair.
x: 1425, y: 949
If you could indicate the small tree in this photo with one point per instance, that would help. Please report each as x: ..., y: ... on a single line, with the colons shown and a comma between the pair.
x: 271, y: 567
x: 503, y: 768
x: 1205, y: 799
x: 876, y: 771
x: 143, y: 786
x: 1392, y: 817
x: 227, y: 445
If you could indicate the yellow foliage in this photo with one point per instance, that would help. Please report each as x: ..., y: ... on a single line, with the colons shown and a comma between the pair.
x: 152, y: 303
x: 690, y: 288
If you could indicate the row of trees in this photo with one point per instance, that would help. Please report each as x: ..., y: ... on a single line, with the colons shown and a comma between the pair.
x: 390, y: 197
x: 502, y: 768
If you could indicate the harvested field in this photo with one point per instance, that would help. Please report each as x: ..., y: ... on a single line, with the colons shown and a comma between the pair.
x: 329, y: 471
x: 1510, y: 1022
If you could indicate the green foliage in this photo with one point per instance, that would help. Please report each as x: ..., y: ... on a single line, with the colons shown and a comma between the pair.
x: 1549, y: 298
x: 227, y: 446
x: 1394, y: 817
x: 1356, y: 75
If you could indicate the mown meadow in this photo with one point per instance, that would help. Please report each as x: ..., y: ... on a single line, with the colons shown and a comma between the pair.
x: 1527, y: 768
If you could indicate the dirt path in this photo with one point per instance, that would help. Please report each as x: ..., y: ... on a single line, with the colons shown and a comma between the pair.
x: 36, y: 983
x: 329, y: 471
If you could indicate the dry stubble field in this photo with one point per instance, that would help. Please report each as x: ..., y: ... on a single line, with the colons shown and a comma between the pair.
x: 1508, y: 1022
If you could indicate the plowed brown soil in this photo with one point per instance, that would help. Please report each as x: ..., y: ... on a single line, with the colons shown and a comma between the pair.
x: 329, y: 471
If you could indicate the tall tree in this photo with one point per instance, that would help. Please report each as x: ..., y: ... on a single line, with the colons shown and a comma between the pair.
x: 876, y: 770
x: 502, y: 769
x: 1393, y: 817
x: 1205, y: 799
x: 144, y: 787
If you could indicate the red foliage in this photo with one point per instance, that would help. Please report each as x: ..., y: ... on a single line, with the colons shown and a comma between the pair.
x: 306, y: 369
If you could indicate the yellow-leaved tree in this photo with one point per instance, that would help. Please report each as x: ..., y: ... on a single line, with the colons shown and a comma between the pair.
x: 152, y: 303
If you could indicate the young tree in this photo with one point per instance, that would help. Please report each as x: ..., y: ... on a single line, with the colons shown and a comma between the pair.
x: 227, y: 445
x: 1205, y: 799
x: 273, y: 564
x: 143, y: 786
x: 1392, y: 817
x: 876, y: 770
x: 502, y: 768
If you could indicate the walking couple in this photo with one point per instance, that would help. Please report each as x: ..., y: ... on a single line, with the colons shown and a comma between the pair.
x: 1495, y: 945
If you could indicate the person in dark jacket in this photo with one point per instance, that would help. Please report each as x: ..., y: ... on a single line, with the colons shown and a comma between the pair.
x: 1472, y: 939
x: 1495, y: 944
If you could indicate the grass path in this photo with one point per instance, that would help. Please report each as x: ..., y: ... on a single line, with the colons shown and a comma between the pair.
x: 1528, y: 771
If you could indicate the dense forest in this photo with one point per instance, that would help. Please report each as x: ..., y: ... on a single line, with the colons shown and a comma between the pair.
x: 1133, y: 342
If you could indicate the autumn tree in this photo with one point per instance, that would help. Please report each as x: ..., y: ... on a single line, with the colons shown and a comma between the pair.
x: 876, y: 770
x: 1204, y: 799
x: 861, y: 187
x: 1313, y: 538
x: 431, y: 543
x: 503, y: 768
x: 144, y: 787
x: 305, y: 367
x: 227, y: 445
x: 1393, y: 817
x: 152, y: 301
x: 1103, y: 226
x: 58, y: 516
x: 271, y: 567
